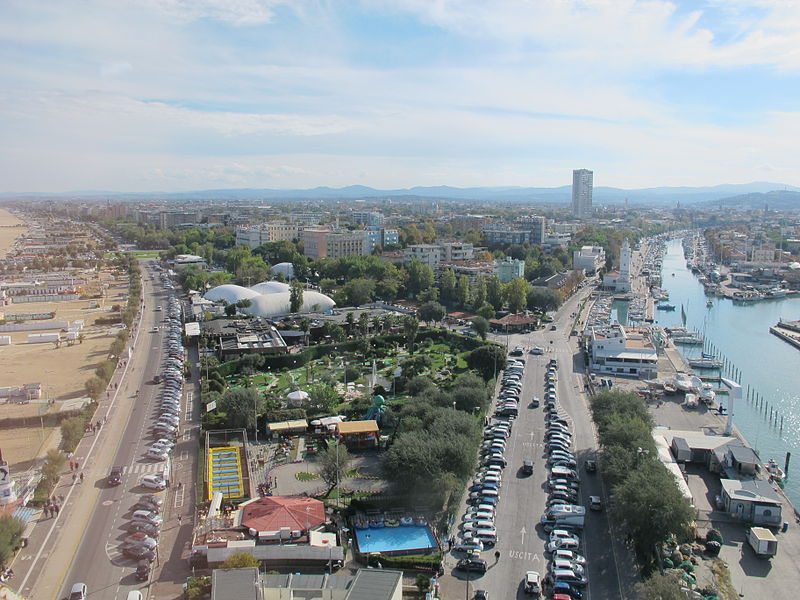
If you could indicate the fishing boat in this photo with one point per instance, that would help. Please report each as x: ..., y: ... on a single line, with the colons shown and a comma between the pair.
x: 709, y: 304
x: 776, y: 474
x: 705, y: 363
x: 665, y: 307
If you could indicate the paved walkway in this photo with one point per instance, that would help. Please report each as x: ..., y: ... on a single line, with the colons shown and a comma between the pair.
x: 288, y: 483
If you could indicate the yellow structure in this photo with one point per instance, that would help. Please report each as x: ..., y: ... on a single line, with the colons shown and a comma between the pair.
x: 225, y: 472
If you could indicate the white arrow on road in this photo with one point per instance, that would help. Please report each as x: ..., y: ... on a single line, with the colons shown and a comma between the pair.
x: 523, y: 532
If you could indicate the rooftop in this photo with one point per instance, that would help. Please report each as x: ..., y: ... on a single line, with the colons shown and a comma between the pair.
x: 273, y: 513
x: 754, y: 490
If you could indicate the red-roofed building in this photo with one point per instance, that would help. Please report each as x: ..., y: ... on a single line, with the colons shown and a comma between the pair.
x: 276, y: 513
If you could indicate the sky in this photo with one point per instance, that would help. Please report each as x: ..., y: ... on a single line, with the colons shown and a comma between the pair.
x: 174, y: 95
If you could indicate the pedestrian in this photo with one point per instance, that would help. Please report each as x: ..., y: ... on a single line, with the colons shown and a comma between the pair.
x: 57, y: 508
x: 60, y: 499
x: 77, y: 466
x: 46, y: 511
x: 82, y: 482
x: 74, y: 477
x: 179, y: 520
x: 105, y: 419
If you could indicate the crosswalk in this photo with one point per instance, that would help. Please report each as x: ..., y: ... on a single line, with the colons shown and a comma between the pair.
x: 144, y: 468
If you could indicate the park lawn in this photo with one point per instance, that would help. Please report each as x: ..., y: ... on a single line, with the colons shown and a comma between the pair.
x: 146, y: 253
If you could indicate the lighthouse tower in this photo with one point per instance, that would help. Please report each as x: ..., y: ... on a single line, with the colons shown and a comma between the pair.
x: 624, y: 281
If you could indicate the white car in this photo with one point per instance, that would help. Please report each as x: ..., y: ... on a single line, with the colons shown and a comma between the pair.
x: 157, y: 454
x: 146, y: 516
x: 153, y: 482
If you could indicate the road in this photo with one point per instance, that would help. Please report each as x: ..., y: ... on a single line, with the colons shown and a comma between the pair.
x: 83, y: 543
x: 521, y: 542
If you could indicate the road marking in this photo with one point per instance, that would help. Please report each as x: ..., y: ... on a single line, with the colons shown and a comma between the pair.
x: 523, y: 555
x: 522, y: 533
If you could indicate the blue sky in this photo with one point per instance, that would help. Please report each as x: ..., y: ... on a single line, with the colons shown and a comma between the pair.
x: 148, y: 95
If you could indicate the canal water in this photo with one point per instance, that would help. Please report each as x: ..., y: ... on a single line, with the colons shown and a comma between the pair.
x: 768, y: 365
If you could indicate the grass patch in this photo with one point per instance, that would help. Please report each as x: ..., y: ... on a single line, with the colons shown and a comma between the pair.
x: 352, y: 473
x: 146, y: 253
x: 306, y: 476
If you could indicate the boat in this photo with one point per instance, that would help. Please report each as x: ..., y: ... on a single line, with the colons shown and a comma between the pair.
x: 689, y: 340
x: 362, y: 524
x: 421, y: 521
x: 705, y: 363
x: 709, y: 304
x: 776, y: 474
x: 406, y: 521
x: 665, y: 307
x: 670, y: 387
x: 708, y: 355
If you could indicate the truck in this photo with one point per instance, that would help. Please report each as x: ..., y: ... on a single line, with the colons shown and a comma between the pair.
x: 763, y: 542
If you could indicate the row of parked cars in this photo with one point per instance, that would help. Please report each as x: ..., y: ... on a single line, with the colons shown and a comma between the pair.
x: 563, y: 519
x: 477, y: 529
x: 167, y: 412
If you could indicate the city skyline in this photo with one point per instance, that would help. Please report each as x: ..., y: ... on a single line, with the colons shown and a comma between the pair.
x: 294, y: 95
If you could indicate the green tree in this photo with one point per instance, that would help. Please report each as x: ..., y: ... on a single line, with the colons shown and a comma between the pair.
x: 650, y: 507
x: 481, y: 327
x: 660, y: 586
x: 447, y: 285
x: 487, y: 360
x: 11, y: 529
x: 431, y: 312
x: 420, y: 277
x: 479, y: 293
x: 240, y: 560
x: 295, y: 296
x: 241, y: 406
x: 516, y: 292
x: 359, y: 291
x: 543, y: 299
x: 54, y: 462
x: 410, y: 329
x: 462, y: 290
x: 95, y: 387
x: 230, y: 310
x: 333, y: 464
x: 494, y: 292
x: 322, y: 398
x: 251, y: 270
x: 71, y: 433
x: 486, y: 311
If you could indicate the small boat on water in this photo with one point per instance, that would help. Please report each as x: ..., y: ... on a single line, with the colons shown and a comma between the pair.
x: 689, y: 340
x: 709, y: 304
x: 665, y: 307
x: 708, y: 355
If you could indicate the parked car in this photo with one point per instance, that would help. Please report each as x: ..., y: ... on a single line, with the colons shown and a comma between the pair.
x: 139, y: 553
x: 153, y: 482
x: 472, y: 564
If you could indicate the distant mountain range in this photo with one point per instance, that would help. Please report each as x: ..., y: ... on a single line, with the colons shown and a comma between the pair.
x: 557, y: 195
x: 774, y: 200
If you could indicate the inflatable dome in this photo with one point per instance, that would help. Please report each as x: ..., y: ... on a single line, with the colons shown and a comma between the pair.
x: 277, y: 304
x: 270, y: 287
x: 286, y: 268
x: 229, y: 293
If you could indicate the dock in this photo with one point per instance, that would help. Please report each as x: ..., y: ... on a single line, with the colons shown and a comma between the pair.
x: 786, y: 334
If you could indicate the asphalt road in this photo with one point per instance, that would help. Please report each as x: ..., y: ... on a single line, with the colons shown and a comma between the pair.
x: 521, y: 542
x: 98, y: 561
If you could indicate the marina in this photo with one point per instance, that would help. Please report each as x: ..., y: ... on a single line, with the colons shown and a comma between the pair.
x: 732, y: 330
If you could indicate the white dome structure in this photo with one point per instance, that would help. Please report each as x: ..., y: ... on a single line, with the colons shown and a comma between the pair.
x: 277, y: 304
x: 230, y: 293
x: 285, y: 268
x: 270, y: 287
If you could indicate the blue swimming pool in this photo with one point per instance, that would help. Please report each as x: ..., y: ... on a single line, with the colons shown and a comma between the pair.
x: 395, y: 539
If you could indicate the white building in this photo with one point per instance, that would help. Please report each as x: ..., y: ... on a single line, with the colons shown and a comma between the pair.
x: 617, y: 351
x: 620, y: 281
x: 267, y: 232
x: 457, y: 251
x: 582, y: 193
x: 589, y: 258
x: 429, y: 254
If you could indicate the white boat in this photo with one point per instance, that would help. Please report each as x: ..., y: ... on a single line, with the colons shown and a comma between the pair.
x: 689, y: 339
x: 705, y: 363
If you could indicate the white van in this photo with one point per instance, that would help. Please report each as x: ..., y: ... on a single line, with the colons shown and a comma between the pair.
x: 487, y: 536
x: 563, y: 473
x: 134, y: 595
